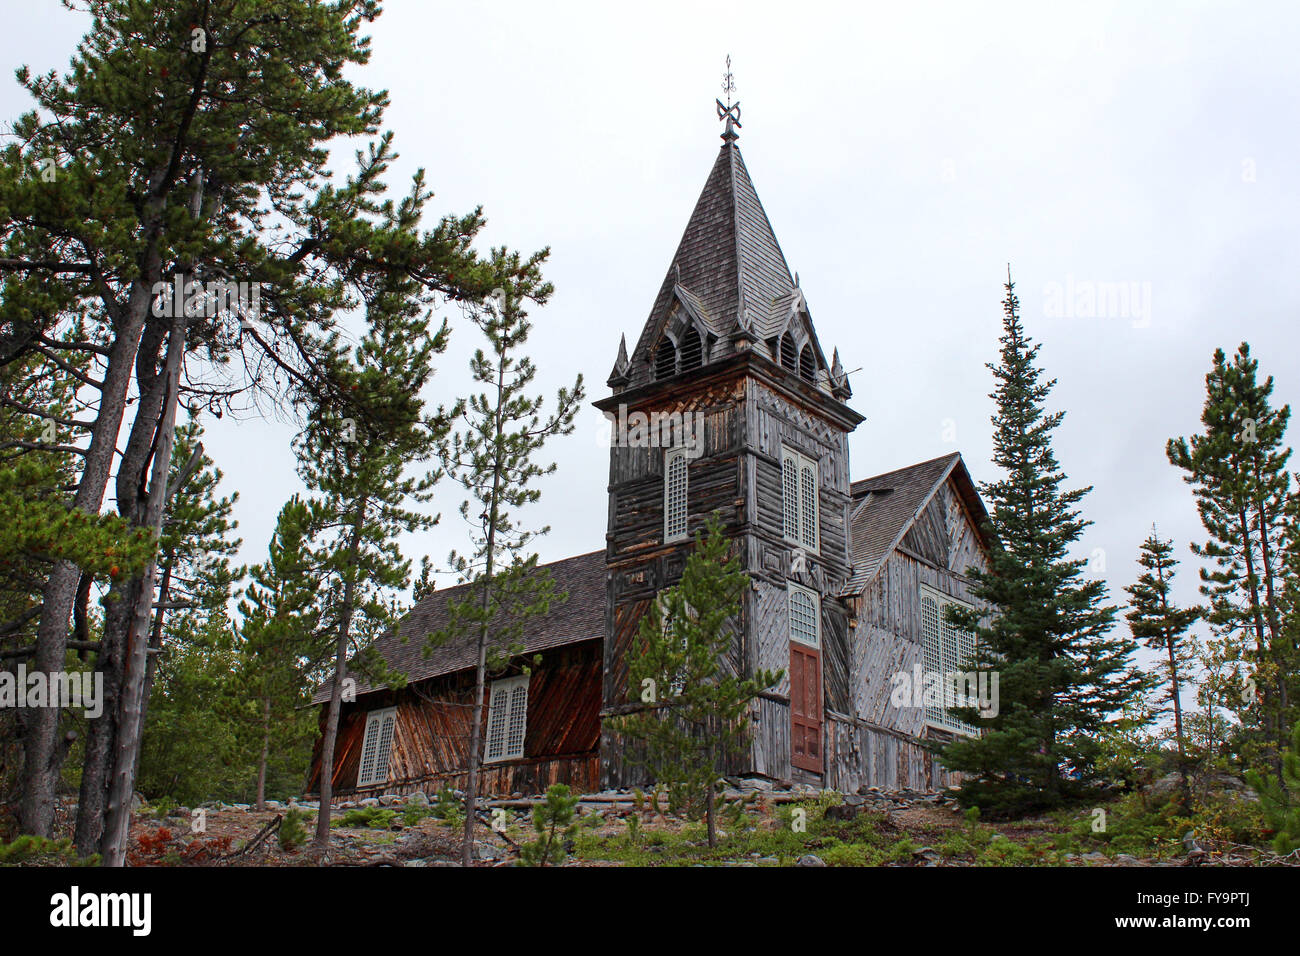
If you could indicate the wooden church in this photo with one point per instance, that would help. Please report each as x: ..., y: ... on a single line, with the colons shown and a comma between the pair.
x: 849, y: 578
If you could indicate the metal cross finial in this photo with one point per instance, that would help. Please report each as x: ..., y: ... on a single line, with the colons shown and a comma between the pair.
x: 728, y: 81
x: 731, y: 111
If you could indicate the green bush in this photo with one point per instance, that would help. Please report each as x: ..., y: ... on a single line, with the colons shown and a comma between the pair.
x: 293, y: 832
x: 370, y: 818
x: 1280, y: 798
x: 43, y: 852
x: 447, y: 808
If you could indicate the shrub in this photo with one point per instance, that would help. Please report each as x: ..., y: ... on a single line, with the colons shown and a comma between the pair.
x: 293, y: 832
x: 1280, y: 798
x: 371, y: 818
x: 555, y: 824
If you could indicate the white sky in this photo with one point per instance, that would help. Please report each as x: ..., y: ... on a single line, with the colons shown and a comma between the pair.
x: 905, y: 153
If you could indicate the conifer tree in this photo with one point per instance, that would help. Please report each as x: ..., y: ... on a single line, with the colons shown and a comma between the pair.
x: 697, y: 711
x: 195, y: 580
x: 491, y: 456
x: 187, y: 143
x: 1155, y: 619
x: 1237, y: 470
x: 280, y: 647
x: 1062, y: 670
x: 364, y: 496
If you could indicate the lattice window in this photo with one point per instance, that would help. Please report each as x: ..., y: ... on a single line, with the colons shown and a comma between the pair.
x: 675, y: 494
x: 808, y: 504
x: 931, y: 654
x: 800, y: 490
x: 805, y: 615
x: 507, y: 718
x: 790, y: 494
x: 377, y: 746
x: 518, y: 720
x: 947, y: 651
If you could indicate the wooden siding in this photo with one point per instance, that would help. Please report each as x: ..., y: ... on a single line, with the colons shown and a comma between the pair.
x: 431, y: 739
x: 877, y: 743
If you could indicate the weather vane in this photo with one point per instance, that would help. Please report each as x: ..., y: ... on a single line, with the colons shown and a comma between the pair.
x: 731, y: 111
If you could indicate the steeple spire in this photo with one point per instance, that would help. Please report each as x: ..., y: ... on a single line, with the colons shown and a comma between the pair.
x: 731, y: 111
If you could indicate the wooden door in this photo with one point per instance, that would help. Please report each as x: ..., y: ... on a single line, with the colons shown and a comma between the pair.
x: 805, y: 707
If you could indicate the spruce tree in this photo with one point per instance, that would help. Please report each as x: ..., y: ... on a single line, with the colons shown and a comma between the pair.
x: 1237, y: 470
x: 1062, y: 670
x: 696, y: 715
x: 1155, y: 619
x: 492, y: 456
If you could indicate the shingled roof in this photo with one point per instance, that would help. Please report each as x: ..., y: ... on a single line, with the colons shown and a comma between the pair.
x: 728, y: 268
x: 884, y: 506
x: 580, y: 618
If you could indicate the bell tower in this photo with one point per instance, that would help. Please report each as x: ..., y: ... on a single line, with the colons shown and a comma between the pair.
x: 727, y: 402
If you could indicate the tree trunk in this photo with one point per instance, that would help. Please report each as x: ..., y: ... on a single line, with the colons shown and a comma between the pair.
x: 102, y: 733
x: 1272, y: 753
x: 124, y: 596
x: 266, y: 748
x: 117, y: 824
x: 42, y: 754
x: 480, y: 674
x: 336, y: 692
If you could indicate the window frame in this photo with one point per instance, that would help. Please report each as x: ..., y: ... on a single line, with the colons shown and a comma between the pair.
x: 791, y: 589
x: 953, y: 646
x: 801, y: 463
x: 507, y: 686
x: 671, y: 456
x: 375, y: 719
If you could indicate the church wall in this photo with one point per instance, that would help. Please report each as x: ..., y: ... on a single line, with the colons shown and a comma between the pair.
x: 430, y: 748
x: 877, y: 743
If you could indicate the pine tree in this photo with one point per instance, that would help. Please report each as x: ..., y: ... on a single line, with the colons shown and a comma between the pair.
x: 364, y: 497
x: 188, y: 143
x: 280, y: 644
x: 1163, y: 626
x: 1237, y: 470
x: 491, y: 456
x: 697, y: 713
x: 1062, y: 671
x: 195, y: 578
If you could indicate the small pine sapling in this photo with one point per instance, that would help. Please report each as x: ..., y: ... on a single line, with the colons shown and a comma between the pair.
x: 555, y: 823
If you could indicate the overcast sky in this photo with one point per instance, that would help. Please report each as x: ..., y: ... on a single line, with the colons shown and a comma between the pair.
x: 905, y: 153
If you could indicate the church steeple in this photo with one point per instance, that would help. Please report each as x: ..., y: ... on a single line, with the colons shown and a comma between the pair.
x: 728, y: 287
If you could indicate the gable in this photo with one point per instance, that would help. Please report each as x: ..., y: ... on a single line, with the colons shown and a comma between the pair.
x: 930, y: 509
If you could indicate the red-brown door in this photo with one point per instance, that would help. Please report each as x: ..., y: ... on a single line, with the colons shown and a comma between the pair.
x: 805, y: 707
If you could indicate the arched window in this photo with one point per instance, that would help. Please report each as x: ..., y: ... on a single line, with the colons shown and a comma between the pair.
x: 691, y: 350
x: 808, y: 365
x: 804, y: 624
x: 675, y: 495
x: 665, y: 359
x: 788, y: 352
